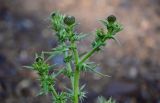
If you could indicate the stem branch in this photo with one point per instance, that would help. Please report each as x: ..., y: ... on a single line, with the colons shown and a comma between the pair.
x: 88, y: 55
x: 53, y: 92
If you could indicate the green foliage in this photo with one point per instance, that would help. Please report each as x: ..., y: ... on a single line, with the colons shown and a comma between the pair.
x: 103, y: 100
x: 75, y: 62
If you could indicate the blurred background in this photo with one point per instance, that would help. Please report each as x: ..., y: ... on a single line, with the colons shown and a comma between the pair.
x: 134, y: 65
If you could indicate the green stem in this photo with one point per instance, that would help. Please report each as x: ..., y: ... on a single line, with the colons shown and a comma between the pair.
x: 53, y: 92
x: 76, y: 71
x: 75, y: 52
x: 76, y: 85
x: 92, y: 51
x: 88, y: 55
x: 76, y: 74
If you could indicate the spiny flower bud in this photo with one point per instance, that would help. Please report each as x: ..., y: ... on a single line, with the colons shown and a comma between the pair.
x: 69, y: 20
x: 53, y: 14
x: 111, y: 19
x: 39, y: 59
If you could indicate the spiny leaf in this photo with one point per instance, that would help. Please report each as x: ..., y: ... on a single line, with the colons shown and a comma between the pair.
x: 40, y: 93
x: 104, y: 22
x: 51, y: 56
x: 54, y: 75
x: 52, y: 67
x: 82, y: 36
x: 82, y: 95
x: 117, y: 41
x: 36, y: 55
x: 99, y: 73
x: 82, y: 87
x: 28, y: 67
x: 92, y: 67
x: 42, y: 55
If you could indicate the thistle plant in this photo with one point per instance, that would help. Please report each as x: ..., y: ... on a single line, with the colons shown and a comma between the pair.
x: 75, y: 62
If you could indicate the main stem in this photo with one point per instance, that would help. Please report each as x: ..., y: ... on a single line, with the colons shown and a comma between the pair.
x: 76, y: 74
x: 77, y: 71
x: 76, y: 85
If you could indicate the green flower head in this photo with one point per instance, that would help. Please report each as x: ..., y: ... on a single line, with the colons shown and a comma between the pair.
x: 111, y: 19
x: 69, y: 20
